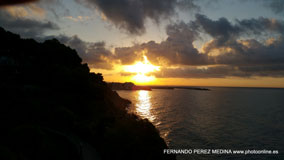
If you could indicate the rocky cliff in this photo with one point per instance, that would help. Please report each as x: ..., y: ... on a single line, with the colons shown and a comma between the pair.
x: 52, y: 107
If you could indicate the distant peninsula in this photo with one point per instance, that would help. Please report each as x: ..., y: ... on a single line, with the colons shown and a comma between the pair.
x: 132, y: 86
x: 127, y: 86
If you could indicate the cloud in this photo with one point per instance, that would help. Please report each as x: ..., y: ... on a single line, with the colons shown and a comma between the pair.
x: 12, y: 2
x: 226, y: 40
x: 177, y: 49
x: 131, y: 15
x: 246, y: 57
x: 127, y: 55
x: 127, y: 74
x: 277, y: 6
x: 224, y: 33
x: 95, y: 54
x: 255, y: 59
x: 252, y: 52
x: 261, y: 25
x: 27, y: 11
x: 225, y: 29
x: 77, y: 19
x: 197, y: 72
x: 26, y: 27
x: 235, y: 50
x: 221, y: 28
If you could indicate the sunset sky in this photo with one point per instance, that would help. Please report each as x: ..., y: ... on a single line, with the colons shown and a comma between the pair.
x: 164, y: 42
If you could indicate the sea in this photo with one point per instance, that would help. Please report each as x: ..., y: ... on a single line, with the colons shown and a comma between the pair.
x: 222, y: 123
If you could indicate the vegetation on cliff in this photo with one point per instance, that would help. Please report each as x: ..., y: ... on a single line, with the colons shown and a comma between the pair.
x: 52, y: 107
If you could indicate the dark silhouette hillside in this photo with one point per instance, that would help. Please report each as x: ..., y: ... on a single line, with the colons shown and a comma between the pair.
x: 52, y: 107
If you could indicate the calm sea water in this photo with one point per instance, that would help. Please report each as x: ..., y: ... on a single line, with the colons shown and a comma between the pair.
x: 223, y: 118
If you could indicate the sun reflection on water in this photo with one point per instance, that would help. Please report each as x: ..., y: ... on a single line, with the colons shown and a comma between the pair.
x: 143, y: 106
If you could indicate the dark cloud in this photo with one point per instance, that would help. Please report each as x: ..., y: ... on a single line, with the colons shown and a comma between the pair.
x: 275, y: 70
x: 254, y: 53
x: 95, y: 54
x: 261, y: 25
x: 221, y: 28
x: 234, y: 51
x: 225, y: 34
x: 277, y: 6
x: 132, y: 14
x: 127, y: 55
x: 12, y: 2
x: 196, y: 72
x: 178, y: 47
x: 30, y: 28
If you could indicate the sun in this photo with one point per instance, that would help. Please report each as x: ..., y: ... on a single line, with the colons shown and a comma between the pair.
x: 142, y: 68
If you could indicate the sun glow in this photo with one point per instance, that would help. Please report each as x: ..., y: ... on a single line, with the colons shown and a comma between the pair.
x: 141, y: 78
x: 142, y: 69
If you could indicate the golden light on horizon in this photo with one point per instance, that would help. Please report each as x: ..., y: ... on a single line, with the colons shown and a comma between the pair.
x: 141, y: 78
x: 142, y: 68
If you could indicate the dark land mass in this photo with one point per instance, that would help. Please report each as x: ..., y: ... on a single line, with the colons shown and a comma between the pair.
x: 173, y: 87
x: 132, y: 86
x: 52, y: 107
x: 127, y: 86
